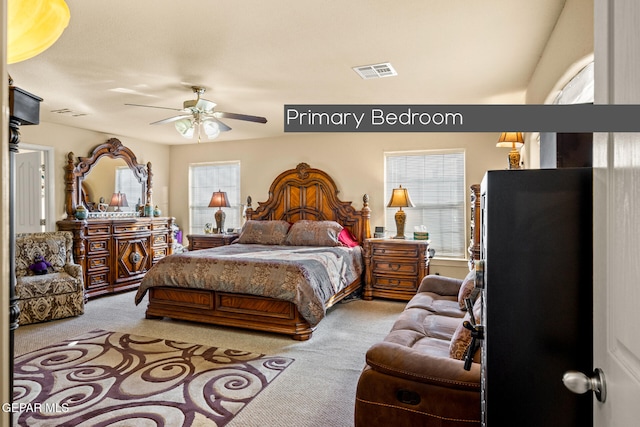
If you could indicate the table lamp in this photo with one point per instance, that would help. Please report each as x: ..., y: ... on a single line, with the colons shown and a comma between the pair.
x: 219, y: 200
x: 118, y: 200
x: 514, y: 141
x: 400, y: 199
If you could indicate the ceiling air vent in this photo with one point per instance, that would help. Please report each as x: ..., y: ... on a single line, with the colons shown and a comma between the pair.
x: 375, y: 71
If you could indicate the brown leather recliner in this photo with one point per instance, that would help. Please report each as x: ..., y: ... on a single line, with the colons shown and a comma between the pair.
x: 415, y: 377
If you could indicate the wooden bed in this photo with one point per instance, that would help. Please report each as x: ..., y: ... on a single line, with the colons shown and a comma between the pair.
x: 297, y: 194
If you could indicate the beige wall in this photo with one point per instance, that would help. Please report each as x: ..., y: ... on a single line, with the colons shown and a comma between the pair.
x: 81, y: 142
x: 355, y: 161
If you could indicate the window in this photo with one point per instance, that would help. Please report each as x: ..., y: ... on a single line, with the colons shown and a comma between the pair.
x: 435, y: 182
x: 206, y: 178
x: 127, y: 183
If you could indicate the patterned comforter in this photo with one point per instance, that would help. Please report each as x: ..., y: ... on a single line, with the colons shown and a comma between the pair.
x: 304, y: 275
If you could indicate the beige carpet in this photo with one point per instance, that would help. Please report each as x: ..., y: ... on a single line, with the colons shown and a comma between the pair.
x: 318, y: 389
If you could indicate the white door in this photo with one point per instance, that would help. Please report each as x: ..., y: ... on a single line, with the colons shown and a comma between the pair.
x: 617, y: 218
x: 29, y: 196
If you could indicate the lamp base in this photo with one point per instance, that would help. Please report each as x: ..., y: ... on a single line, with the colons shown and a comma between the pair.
x: 514, y: 159
x: 400, y: 220
x: 219, y: 217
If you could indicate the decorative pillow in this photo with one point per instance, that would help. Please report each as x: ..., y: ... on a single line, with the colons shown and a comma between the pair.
x: 466, y: 288
x: 264, y: 232
x: 314, y: 233
x: 461, y: 338
x: 346, y: 238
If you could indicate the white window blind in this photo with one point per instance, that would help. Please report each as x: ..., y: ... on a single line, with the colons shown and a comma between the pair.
x: 435, y: 182
x: 128, y: 184
x: 204, y: 179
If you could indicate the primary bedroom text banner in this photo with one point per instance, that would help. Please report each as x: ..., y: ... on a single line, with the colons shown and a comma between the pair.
x: 462, y: 118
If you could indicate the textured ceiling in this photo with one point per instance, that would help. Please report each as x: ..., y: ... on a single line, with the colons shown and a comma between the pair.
x: 255, y: 56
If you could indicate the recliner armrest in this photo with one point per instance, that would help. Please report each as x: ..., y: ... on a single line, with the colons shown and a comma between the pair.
x: 440, y: 285
x: 401, y: 361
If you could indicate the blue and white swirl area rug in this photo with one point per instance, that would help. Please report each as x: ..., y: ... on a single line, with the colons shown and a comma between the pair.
x: 109, y: 378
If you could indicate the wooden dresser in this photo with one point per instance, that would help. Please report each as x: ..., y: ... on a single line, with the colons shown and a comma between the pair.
x: 205, y: 241
x: 115, y: 253
x: 394, y: 267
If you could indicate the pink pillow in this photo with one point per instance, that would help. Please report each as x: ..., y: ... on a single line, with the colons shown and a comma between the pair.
x: 346, y: 238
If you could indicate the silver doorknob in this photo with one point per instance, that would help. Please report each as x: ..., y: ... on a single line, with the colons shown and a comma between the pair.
x: 579, y: 383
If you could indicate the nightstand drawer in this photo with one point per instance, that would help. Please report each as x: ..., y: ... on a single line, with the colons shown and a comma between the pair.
x: 395, y: 283
x: 398, y: 250
x: 391, y: 267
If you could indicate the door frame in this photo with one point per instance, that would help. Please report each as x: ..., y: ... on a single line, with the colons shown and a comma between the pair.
x: 49, y: 182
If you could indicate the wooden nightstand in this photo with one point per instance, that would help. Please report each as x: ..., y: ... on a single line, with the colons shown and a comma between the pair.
x: 394, y: 267
x: 205, y: 241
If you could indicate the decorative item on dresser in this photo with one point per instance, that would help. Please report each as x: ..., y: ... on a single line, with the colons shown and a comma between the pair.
x: 115, y: 249
x: 205, y: 241
x: 394, y: 268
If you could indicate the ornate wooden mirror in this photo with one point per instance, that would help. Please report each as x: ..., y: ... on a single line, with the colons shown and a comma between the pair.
x: 113, y: 155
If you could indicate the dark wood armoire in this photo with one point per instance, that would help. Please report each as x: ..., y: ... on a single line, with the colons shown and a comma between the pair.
x: 536, y: 245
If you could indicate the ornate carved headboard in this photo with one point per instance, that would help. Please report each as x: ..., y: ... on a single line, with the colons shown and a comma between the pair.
x: 307, y: 193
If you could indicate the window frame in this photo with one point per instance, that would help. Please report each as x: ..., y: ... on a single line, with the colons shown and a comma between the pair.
x: 462, y: 202
x: 233, y: 213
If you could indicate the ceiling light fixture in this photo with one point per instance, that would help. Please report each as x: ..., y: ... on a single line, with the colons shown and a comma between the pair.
x: 33, y: 26
x: 188, y: 126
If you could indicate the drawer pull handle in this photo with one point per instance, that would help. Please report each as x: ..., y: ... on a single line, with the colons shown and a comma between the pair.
x: 395, y: 267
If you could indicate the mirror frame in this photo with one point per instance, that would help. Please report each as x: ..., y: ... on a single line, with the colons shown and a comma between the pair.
x: 76, y: 173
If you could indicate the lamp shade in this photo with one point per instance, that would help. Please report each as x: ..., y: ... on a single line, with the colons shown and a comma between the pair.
x: 510, y: 140
x: 33, y: 26
x: 211, y: 129
x: 400, y: 198
x: 118, y: 200
x: 185, y: 127
x: 219, y: 199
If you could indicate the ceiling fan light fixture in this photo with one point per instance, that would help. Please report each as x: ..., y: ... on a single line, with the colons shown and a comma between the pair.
x: 211, y: 129
x: 185, y: 127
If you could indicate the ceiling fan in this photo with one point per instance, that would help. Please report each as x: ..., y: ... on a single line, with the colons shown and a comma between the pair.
x: 199, y: 115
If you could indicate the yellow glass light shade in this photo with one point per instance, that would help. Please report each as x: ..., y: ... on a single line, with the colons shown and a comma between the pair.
x: 33, y: 26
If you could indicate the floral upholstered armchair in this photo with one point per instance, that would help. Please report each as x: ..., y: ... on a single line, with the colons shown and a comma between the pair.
x: 58, y: 291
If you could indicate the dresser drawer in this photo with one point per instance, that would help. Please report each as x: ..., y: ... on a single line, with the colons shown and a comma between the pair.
x: 95, y: 246
x: 159, y: 253
x: 159, y: 239
x: 385, y: 266
x: 97, y: 280
x: 398, y: 250
x: 395, y: 283
x: 97, y: 262
x: 130, y: 228
x: 98, y: 229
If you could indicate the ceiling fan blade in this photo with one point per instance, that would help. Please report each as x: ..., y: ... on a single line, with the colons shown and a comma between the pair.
x: 236, y: 116
x: 173, y: 119
x: 153, y: 106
